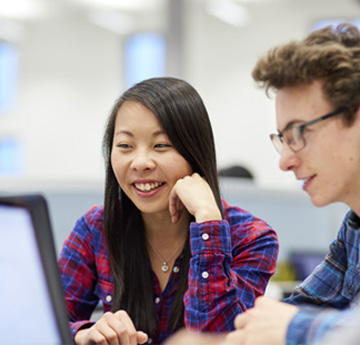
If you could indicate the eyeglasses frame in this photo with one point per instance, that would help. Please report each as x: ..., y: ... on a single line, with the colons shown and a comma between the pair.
x: 302, y: 128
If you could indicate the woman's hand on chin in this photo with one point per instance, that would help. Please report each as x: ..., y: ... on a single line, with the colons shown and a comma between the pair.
x: 195, y: 194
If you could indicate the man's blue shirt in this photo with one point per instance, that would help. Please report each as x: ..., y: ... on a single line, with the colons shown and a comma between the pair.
x: 325, y: 298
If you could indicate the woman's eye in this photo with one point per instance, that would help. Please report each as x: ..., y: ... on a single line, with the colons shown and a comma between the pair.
x: 123, y: 146
x: 161, y: 146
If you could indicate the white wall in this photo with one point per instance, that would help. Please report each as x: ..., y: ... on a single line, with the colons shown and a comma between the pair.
x: 220, y: 60
x: 71, y: 72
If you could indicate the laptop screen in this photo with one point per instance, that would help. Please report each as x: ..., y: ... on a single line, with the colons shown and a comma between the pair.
x: 32, y: 307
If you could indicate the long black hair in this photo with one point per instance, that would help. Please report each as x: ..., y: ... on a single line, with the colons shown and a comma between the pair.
x: 183, y: 116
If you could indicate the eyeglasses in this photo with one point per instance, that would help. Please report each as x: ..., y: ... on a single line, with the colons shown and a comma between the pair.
x: 293, y: 135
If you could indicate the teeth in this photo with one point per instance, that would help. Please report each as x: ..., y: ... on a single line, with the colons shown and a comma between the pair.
x: 305, y: 180
x: 146, y: 187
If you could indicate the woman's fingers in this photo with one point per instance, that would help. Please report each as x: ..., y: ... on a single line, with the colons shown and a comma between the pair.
x: 112, y: 329
x: 127, y: 333
x: 142, y: 337
x: 175, y: 206
x: 194, y: 194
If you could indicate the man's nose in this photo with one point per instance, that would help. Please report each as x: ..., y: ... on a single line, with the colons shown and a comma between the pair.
x: 288, y: 159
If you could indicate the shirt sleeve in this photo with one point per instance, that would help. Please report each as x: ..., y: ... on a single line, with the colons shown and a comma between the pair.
x: 228, y: 270
x: 311, y: 325
x: 77, y: 273
x: 326, y: 296
x: 331, y: 284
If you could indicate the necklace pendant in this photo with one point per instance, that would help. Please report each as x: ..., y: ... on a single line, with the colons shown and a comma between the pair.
x: 164, y: 267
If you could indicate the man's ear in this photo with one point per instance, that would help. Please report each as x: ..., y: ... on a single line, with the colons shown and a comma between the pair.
x: 354, y: 120
x: 357, y: 114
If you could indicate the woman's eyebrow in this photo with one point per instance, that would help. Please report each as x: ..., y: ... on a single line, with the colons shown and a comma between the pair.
x: 123, y: 131
x: 130, y: 134
x: 157, y: 133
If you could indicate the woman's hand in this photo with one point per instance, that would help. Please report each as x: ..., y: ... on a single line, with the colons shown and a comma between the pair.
x: 195, y: 194
x: 112, y: 329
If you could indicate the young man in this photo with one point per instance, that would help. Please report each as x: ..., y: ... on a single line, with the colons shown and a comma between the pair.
x: 317, y: 87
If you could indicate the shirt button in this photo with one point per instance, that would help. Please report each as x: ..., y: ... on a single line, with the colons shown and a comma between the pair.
x: 108, y: 298
x: 205, y: 236
x: 351, y: 289
x: 205, y: 275
x: 176, y: 269
x: 149, y: 341
x: 157, y: 300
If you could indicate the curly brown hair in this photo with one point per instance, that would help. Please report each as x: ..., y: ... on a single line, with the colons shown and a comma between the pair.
x: 330, y: 54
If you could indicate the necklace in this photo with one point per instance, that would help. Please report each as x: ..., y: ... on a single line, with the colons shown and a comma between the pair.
x: 165, y: 266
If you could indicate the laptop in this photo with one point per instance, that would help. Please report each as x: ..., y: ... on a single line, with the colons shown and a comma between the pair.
x: 304, y: 262
x: 32, y: 308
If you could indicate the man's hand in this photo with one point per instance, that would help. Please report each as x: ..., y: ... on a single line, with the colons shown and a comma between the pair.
x: 264, y: 324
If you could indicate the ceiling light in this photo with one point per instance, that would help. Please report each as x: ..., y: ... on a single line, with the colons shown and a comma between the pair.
x: 229, y: 12
x: 122, y: 4
x: 21, y: 9
x: 117, y: 22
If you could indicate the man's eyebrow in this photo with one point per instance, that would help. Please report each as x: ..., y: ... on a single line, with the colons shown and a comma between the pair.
x: 289, y: 125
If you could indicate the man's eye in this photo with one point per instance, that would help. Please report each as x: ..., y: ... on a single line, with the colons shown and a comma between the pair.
x: 288, y: 138
x: 290, y: 141
x: 292, y: 135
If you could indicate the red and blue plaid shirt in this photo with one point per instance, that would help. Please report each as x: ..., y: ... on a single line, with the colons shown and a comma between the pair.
x: 232, y: 261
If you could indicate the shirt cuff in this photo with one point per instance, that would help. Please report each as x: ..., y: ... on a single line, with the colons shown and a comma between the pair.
x: 210, y: 236
x: 78, y: 325
x: 311, y: 324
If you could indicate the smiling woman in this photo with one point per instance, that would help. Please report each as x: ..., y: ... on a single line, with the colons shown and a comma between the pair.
x: 139, y: 146
x: 165, y: 251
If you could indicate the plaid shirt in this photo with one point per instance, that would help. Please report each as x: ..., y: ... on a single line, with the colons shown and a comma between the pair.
x: 232, y: 261
x: 333, y: 284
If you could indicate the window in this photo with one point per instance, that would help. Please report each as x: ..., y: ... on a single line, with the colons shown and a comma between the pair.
x: 10, y: 157
x: 8, y: 75
x: 144, y: 57
x: 10, y: 148
x: 334, y: 22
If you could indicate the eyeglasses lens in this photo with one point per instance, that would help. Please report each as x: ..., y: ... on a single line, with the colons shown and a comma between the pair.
x: 277, y: 142
x: 293, y: 137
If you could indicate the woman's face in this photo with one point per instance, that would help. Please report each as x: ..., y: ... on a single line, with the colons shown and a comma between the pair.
x: 144, y: 161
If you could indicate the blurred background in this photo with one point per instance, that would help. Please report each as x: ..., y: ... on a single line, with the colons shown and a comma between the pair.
x: 64, y: 62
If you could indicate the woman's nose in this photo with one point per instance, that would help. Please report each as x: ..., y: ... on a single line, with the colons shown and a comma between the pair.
x: 142, y: 160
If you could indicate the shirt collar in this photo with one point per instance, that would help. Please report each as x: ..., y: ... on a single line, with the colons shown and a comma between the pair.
x: 354, y: 220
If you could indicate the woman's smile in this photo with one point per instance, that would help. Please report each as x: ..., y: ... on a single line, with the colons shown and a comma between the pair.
x: 144, y: 161
x: 147, y: 186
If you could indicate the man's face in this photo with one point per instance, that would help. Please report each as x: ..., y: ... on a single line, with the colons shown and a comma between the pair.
x: 329, y: 164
